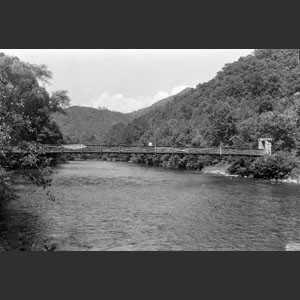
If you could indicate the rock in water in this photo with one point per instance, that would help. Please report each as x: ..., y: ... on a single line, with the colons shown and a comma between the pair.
x: 292, y: 247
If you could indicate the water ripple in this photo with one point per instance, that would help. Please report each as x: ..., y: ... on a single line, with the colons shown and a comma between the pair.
x: 119, y: 206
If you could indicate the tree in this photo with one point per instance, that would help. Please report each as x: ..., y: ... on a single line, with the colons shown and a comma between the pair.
x: 25, y: 119
x: 222, y: 124
x: 127, y: 134
x: 115, y: 136
x: 282, y: 127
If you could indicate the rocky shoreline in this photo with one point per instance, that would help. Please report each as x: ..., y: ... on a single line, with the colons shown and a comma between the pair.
x: 217, y: 170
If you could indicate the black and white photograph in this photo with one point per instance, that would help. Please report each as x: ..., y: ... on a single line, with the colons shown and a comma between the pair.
x: 149, y: 149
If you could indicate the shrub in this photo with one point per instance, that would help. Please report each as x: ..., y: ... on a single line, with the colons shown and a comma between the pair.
x: 155, y: 160
x: 6, y: 190
x: 295, y: 174
x: 163, y: 161
x: 173, y: 162
x: 182, y: 162
x: 277, y: 166
x: 70, y: 157
x: 196, y: 163
x: 148, y: 159
x: 137, y: 158
x: 242, y: 166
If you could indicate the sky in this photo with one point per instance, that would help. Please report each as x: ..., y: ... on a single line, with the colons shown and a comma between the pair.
x: 127, y: 79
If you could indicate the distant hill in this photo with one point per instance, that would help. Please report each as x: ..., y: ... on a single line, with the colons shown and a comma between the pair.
x: 91, y: 125
x: 160, y: 103
x: 88, y: 125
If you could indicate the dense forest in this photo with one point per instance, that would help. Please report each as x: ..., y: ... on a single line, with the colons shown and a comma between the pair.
x: 256, y: 96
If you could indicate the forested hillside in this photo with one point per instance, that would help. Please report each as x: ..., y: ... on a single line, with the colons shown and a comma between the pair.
x: 256, y: 96
x: 86, y: 124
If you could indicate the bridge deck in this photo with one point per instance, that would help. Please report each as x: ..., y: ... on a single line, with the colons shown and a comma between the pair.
x: 99, y: 149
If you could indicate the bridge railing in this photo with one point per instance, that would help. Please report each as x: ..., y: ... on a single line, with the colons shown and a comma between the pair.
x: 157, y: 150
x: 154, y: 150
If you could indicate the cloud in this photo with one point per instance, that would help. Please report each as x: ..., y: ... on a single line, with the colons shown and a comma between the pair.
x: 119, y: 102
x: 159, y: 96
x: 178, y: 89
x: 125, y: 104
x: 162, y: 95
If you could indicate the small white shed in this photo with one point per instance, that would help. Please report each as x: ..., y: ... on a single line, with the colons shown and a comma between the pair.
x: 265, y: 144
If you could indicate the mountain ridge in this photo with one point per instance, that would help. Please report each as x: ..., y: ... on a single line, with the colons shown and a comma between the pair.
x: 87, y: 124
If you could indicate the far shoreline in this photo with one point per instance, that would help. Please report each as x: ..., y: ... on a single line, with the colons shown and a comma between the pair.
x: 220, y: 169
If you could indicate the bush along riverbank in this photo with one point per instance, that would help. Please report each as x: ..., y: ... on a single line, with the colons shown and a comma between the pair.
x: 279, y: 166
x: 176, y: 161
x: 169, y: 161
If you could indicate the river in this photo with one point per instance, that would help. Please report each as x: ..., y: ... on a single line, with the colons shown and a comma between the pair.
x: 121, y: 206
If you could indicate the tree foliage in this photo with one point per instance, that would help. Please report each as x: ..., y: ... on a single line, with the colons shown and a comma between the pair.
x: 280, y: 165
x: 89, y: 125
x: 25, y: 119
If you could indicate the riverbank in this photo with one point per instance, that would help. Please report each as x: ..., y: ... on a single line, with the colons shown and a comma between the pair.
x: 281, y: 166
x: 223, y: 171
x: 217, y: 170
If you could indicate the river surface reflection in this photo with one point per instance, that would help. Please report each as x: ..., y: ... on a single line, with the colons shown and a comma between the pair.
x: 122, y: 206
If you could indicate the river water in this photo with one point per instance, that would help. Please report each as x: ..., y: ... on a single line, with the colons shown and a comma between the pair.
x: 121, y: 206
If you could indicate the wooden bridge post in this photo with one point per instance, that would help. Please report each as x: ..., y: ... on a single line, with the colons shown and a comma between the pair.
x: 220, y: 150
